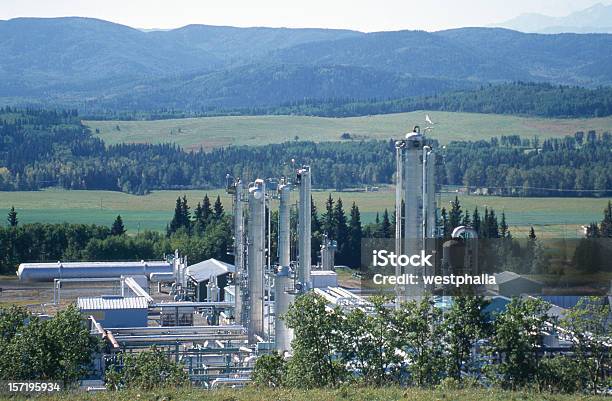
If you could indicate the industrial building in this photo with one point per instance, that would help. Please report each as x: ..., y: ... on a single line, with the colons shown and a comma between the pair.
x: 209, y: 279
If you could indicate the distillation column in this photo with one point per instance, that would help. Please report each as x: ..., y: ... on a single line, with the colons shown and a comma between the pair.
x: 413, y: 206
x: 284, y: 293
x: 256, y: 255
x: 304, y: 228
x: 240, y: 277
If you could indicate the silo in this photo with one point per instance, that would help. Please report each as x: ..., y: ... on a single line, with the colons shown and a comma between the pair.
x: 255, y: 266
x: 304, y: 227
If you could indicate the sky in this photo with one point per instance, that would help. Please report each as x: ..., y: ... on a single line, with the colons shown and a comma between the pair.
x: 363, y: 15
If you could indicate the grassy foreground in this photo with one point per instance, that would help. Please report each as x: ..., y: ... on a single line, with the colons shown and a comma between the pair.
x: 552, y: 217
x: 345, y: 394
x: 213, y: 132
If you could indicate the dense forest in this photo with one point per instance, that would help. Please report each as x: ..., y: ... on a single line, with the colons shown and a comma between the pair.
x: 517, y: 98
x: 41, y: 149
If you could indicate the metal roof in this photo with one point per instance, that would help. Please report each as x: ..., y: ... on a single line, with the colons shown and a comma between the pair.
x: 507, y: 276
x: 212, y: 267
x: 112, y: 302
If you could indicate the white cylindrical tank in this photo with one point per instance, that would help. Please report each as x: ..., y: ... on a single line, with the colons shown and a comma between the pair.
x: 284, y: 295
x: 304, y: 227
x: 51, y: 271
x: 255, y: 267
x: 284, y: 248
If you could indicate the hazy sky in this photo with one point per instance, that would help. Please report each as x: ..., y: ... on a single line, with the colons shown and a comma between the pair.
x: 364, y: 15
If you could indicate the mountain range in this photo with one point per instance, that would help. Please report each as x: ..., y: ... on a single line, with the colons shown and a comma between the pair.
x: 595, y: 19
x: 99, y: 65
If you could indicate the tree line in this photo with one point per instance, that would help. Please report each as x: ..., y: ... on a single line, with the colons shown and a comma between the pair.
x: 420, y: 344
x: 516, y: 98
x: 42, y: 149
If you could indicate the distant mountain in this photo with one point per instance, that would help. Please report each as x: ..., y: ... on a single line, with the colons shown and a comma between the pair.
x: 595, y: 19
x: 81, y: 61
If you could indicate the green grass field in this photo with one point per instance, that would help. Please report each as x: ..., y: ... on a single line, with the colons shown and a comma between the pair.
x: 551, y: 217
x: 354, y: 393
x: 211, y: 132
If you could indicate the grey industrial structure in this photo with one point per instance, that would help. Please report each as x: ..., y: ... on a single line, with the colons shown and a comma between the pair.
x: 221, y: 317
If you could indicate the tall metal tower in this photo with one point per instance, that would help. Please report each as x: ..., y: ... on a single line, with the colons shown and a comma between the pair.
x: 304, y: 227
x: 256, y: 236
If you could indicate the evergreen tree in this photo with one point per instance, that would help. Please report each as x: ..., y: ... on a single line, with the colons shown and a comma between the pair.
x: 532, y: 234
x: 476, y: 221
x: 118, y: 227
x: 466, y: 219
x: 328, y: 218
x: 341, y: 233
x: 503, y: 227
x: 12, y: 217
x: 455, y: 214
x: 175, y: 223
x: 218, y: 208
x: 493, y: 227
x: 206, y: 209
x: 355, y: 237
x: 606, y: 224
x: 385, y: 226
x: 446, y: 230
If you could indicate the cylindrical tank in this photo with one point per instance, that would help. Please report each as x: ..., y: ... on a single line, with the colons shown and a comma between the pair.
x: 304, y: 227
x: 51, y: 271
x: 284, y: 296
x: 284, y: 248
x: 255, y: 266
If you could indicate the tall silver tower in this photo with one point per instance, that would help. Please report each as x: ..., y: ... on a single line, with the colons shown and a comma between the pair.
x: 284, y: 249
x: 240, y: 276
x: 256, y: 255
x: 304, y: 227
x: 415, y: 185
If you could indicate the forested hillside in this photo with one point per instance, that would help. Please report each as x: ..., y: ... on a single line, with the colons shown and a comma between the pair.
x: 102, y: 67
x: 47, y: 148
x: 518, y: 98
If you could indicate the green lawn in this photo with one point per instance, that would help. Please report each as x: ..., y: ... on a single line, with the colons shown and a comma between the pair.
x: 551, y: 217
x: 211, y: 132
x: 353, y: 393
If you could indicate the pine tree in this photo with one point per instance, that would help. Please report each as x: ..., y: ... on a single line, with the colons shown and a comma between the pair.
x: 606, y: 224
x: 315, y: 224
x: 385, y: 226
x: 206, y: 209
x: 185, y: 214
x: 455, y: 214
x: 118, y: 228
x: 218, y: 208
x: 328, y: 218
x: 446, y: 231
x: 532, y: 234
x: 175, y: 223
x: 12, y: 217
x: 503, y: 227
x: 341, y: 232
x: 476, y: 220
x: 484, y: 225
x: 355, y: 237
x: 493, y: 225
x: 466, y: 219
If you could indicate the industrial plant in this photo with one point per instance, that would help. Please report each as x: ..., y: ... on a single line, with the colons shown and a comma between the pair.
x: 216, y: 318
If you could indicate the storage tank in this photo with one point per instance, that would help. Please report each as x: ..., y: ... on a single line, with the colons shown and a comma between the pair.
x: 255, y: 267
x: 51, y: 271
